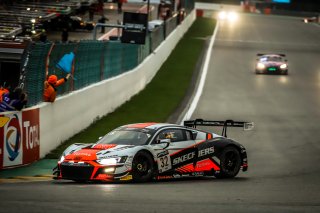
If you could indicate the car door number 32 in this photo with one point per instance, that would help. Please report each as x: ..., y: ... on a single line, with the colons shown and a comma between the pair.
x: 164, y: 163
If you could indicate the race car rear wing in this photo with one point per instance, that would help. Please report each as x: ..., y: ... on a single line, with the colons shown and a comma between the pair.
x: 224, y: 124
x: 280, y: 54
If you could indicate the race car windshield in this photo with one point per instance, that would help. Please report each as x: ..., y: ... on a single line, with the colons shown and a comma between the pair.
x: 125, y: 137
x: 274, y: 58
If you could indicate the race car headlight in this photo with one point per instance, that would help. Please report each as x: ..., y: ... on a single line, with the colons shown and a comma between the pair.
x: 222, y: 15
x: 261, y: 66
x: 112, y: 161
x: 283, y: 66
x: 232, y: 16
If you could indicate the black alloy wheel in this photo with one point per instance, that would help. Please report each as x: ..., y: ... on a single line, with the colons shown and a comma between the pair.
x: 230, y: 163
x: 142, y: 167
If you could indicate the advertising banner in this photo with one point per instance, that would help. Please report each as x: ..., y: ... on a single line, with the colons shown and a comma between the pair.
x: 135, y: 28
x: 281, y: 1
x: 31, y: 133
x: 19, y: 138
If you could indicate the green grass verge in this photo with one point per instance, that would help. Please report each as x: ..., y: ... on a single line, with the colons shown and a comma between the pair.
x: 162, y: 95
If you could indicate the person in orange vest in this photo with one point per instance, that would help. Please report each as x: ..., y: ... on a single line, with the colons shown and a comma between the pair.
x: 3, y: 91
x: 50, y: 87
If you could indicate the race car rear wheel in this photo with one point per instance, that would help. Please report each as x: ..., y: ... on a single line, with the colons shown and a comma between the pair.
x: 142, y: 167
x: 230, y: 163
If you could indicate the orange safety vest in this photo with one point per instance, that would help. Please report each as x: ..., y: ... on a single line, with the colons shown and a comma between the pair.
x: 2, y: 92
x: 50, y: 90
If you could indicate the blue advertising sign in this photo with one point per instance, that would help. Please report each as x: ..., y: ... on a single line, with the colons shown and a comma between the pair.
x: 281, y: 1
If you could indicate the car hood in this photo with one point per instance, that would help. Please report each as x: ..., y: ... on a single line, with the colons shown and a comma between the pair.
x: 97, y: 151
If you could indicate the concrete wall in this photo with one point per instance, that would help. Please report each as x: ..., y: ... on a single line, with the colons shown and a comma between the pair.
x: 74, y: 112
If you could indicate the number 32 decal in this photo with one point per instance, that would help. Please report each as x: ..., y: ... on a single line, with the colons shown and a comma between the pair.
x: 164, y: 163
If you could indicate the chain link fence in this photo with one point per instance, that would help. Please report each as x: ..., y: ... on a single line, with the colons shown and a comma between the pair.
x: 94, y: 60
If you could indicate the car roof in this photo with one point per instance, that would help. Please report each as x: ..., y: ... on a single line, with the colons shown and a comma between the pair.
x: 271, y: 55
x: 150, y: 125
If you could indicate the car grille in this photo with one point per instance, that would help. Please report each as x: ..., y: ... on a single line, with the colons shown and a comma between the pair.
x: 76, y: 171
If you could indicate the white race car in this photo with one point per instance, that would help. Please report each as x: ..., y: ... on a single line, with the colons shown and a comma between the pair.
x: 145, y: 151
x: 271, y: 64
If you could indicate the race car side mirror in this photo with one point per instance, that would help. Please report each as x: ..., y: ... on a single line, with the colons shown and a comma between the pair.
x: 165, y: 141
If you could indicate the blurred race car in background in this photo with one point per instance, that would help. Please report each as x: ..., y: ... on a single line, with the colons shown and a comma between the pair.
x: 271, y: 64
x: 313, y: 19
x: 230, y: 16
x: 153, y: 151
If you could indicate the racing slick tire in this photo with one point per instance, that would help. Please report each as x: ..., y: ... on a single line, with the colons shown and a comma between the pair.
x: 142, y: 167
x: 230, y: 163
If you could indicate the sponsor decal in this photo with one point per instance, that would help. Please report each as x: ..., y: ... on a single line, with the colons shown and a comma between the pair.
x: 3, y: 121
x: 183, y: 158
x: 164, y: 163
x: 206, y: 165
x: 19, y: 139
x: 197, y: 174
x: 82, y: 154
x: 164, y: 177
x: 12, y: 137
x: 128, y: 177
x: 104, y: 146
x: 206, y: 151
x: 191, y: 155
x: 176, y: 176
x: 31, y: 136
x: 140, y: 125
x: 103, y: 176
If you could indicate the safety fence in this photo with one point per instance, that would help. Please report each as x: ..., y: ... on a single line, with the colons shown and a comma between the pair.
x: 94, y: 60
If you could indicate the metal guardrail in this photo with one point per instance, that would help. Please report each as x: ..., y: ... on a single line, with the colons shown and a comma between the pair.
x: 9, y: 30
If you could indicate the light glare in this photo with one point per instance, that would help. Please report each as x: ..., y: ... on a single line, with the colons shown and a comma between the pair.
x: 260, y: 66
x: 283, y: 66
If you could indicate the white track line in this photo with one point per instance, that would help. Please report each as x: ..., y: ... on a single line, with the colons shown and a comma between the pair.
x: 203, y: 78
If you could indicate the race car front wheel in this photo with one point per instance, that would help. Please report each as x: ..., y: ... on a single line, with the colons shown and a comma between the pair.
x: 142, y: 167
x: 230, y: 163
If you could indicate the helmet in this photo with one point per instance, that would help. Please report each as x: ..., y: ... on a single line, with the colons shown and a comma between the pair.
x: 52, y: 79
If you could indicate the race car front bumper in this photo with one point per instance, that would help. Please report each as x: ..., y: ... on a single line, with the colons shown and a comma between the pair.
x: 90, y: 171
x: 272, y: 70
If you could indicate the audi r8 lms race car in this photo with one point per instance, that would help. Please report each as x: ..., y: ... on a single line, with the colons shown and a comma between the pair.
x: 152, y: 151
x: 271, y: 64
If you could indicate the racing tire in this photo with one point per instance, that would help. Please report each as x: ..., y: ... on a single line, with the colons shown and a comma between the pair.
x: 230, y: 163
x: 142, y: 167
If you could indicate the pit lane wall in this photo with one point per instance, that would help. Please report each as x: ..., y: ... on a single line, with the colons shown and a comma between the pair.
x: 29, y: 135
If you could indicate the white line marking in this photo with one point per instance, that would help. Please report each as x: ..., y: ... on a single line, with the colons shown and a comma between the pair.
x: 203, y: 78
